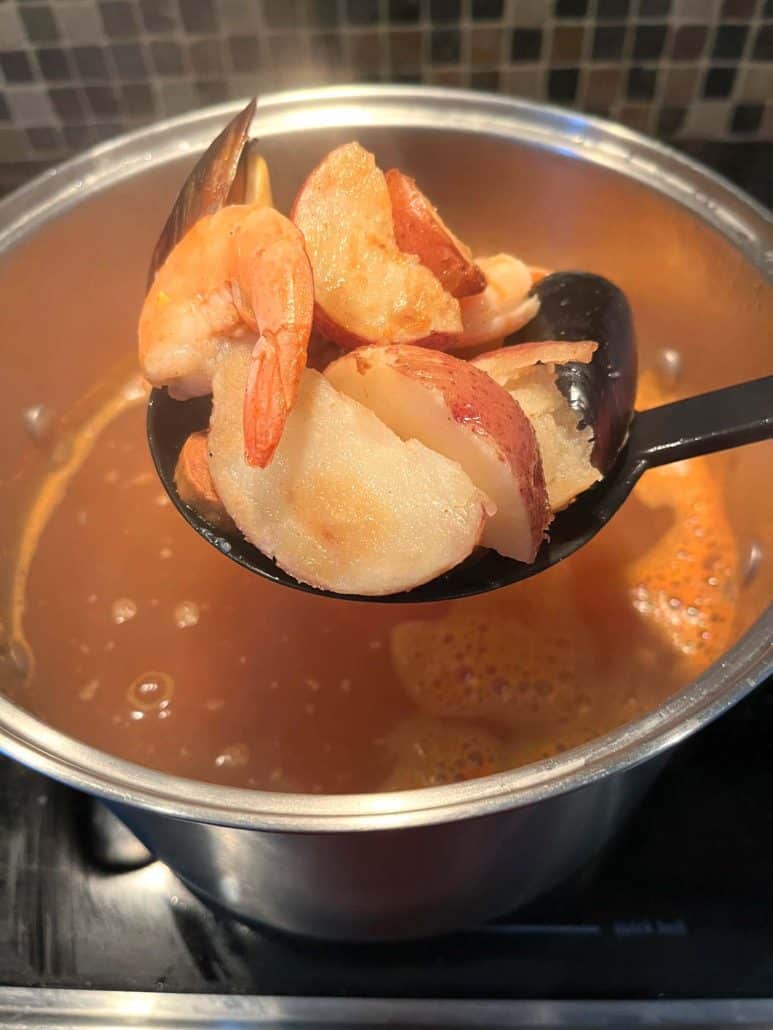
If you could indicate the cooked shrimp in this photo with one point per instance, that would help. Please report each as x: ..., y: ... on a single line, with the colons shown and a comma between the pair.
x: 503, y: 307
x: 239, y: 277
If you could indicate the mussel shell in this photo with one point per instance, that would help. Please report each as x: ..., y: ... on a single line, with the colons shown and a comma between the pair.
x: 213, y: 182
x: 583, y: 306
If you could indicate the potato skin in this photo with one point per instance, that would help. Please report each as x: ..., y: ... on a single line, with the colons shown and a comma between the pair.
x: 194, y: 484
x: 458, y: 410
x: 367, y: 291
x: 420, y: 230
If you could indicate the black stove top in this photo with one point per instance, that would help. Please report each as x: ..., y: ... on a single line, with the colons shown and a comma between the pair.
x: 679, y: 907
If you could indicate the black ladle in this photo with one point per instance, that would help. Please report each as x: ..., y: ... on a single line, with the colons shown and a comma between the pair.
x: 574, y: 306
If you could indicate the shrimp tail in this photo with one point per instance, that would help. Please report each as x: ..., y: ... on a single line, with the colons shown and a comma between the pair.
x: 265, y: 404
x: 275, y: 281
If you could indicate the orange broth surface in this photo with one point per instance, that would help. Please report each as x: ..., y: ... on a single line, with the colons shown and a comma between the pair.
x: 143, y: 641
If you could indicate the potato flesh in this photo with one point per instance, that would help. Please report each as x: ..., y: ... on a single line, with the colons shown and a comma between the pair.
x: 446, y: 404
x: 367, y: 290
x: 344, y: 505
x: 565, y: 448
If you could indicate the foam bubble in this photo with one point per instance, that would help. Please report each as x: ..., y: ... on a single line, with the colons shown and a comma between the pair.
x: 426, y: 753
x: 186, y: 614
x: 152, y: 691
x: 123, y: 609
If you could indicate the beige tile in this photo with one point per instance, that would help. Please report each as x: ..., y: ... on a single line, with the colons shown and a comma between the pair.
x: 176, y: 97
x: 12, y: 31
x: 78, y: 22
x: 524, y: 82
x: 696, y: 10
x: 756, y: 82
x: 527, y: 13
x: 706, y: 118
x: 30, y: 105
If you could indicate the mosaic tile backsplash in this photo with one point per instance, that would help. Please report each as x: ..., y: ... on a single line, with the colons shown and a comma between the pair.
x: 73, y: 72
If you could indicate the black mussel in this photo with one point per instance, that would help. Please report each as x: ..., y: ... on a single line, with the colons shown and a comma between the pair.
x: 218, y: 178
x: 583, y: 306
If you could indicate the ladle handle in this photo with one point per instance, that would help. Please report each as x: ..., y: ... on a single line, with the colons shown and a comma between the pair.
x: 711, y: 422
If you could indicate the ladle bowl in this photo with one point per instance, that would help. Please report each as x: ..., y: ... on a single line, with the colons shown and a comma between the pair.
x: 573, y: 306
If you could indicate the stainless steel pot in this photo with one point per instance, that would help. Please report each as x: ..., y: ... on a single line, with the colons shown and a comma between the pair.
x: 689, y: 249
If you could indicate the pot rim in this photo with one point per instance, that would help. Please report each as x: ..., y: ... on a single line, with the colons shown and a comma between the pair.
x: 728, y: 210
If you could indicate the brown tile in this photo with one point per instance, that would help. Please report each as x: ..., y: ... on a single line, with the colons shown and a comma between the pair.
x: 567, y: 43
x: 635, y: 116
x: 316, y: 74
x: 485, y: 80
x: 766, y: 128
x: 738, y: 9
x: 405, y: 50
x: 680, y: 85
x: 696, y: 10
x: 485, y: 47
x: 602, y: 86
x: 365, y: 49
x: 689, y: 42
x: 13, y: 145
x: 524, y: 82
x: 447, y: 77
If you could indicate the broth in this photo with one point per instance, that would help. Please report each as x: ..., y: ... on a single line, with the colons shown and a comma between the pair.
x: 143, y: 641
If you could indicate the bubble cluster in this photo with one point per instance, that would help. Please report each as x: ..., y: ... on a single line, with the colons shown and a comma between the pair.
x: 123, y: 610
x: 186, y: 614
x: 233, y: 757
x: 89, y: 690
x: 426, y: 753
x: 686, y: 585
x: 492, y: 667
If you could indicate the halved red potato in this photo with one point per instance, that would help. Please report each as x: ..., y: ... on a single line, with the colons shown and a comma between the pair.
x: 345, y: 505
x: 459, y: 411
x: 194, y: 485
x: 502, y: 308
x: 366, y: 289
x: 420, y: 230
x: 506, y: 364
x: 527, y: 372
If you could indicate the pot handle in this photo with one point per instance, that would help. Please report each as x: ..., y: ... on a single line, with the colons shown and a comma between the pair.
x: 716, y: 421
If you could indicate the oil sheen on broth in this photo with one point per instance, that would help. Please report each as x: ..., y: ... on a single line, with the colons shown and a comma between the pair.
x: 147, y: 643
